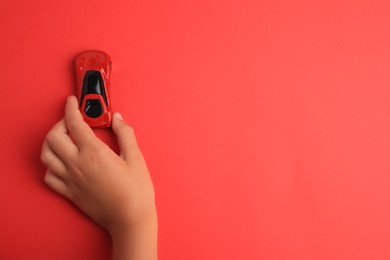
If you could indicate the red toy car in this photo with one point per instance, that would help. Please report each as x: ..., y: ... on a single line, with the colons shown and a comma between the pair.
x: 93, y: 73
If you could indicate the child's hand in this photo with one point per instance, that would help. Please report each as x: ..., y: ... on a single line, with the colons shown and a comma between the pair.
x: 115, y: 191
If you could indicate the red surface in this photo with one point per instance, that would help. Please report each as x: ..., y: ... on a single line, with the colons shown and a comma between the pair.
x: 265, y: 124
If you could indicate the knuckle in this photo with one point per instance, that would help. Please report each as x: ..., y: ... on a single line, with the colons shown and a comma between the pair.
x: 96, y: 145
x: 51, y: 136
x: 44, y: 158
x: 93, y: 149
x: 95, y: 154
x: 75, y: 170
x: 46, y: 179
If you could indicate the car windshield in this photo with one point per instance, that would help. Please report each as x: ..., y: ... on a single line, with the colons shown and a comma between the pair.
x: 93, y: 84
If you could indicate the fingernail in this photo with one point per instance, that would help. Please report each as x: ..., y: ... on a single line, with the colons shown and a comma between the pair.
x: 118, y: 116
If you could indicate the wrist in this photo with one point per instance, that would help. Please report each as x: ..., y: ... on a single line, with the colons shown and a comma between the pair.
x: 132, y: 227
x: 135, y: 241
x: 132, y: 223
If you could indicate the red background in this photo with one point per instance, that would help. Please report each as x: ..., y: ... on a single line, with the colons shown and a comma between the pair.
x: 265, y: 124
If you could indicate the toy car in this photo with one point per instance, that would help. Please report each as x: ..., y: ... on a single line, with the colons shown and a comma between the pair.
x: 93, y: 74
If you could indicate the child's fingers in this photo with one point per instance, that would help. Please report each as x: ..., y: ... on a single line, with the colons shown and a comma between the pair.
x: 51, y: 160
x: 57, y: 184
x: 60, y: 142
x: 126, y: 138
x: 80, y: 131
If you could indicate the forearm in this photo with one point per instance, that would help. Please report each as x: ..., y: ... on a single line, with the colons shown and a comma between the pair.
x: 135, y: 243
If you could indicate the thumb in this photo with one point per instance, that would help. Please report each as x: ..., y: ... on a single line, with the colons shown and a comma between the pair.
x: 126, y: 138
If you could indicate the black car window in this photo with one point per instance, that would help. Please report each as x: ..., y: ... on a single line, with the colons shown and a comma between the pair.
x: 93, y: 84
x: 93, y: 108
